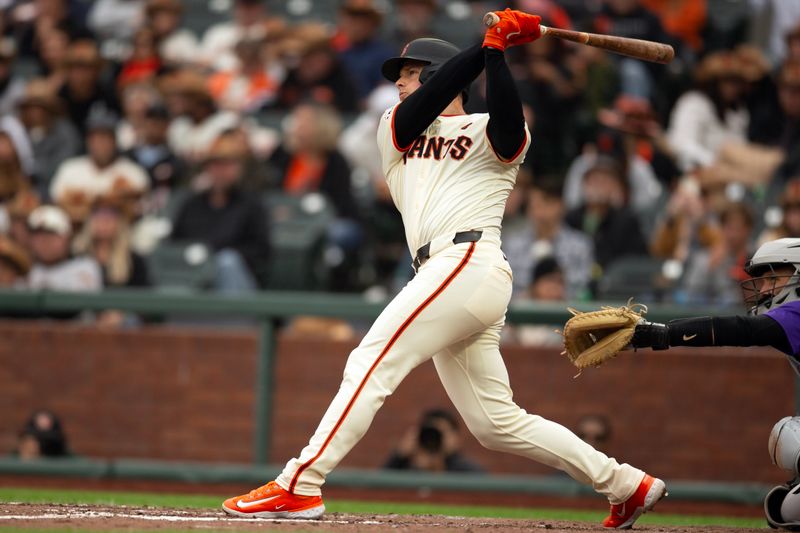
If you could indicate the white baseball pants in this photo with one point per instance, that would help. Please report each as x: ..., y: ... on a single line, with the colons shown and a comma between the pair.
x: 452, y: 311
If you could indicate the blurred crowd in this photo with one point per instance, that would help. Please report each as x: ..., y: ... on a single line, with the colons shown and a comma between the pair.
x: 227, y: 132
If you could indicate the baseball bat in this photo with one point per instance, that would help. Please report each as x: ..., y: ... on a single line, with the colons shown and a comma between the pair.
x: 637, y: 48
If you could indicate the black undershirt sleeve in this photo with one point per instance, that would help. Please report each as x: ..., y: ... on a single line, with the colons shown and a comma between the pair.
x: 422, y: 106
x: 506, y: 128
x: 760, y: 330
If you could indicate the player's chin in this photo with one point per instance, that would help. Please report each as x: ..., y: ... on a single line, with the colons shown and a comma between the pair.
x: 402, y: 96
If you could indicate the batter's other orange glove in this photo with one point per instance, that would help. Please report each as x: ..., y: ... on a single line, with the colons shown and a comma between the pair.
x: 514, y: 28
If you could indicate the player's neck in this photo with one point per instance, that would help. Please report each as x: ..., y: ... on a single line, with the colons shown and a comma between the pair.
x: 455, y: 108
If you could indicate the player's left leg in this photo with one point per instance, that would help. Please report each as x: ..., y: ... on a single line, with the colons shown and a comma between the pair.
x: 475, y: 377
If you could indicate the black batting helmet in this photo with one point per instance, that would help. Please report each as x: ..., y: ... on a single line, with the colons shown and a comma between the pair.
x: 433, y: 52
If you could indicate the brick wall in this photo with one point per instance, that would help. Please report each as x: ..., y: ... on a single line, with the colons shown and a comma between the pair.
x: 187, y: 394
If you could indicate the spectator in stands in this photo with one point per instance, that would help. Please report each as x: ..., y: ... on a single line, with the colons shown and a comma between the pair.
x: 53, y: 46
x: 547, y: 235
x: 232, y: 222
x: 793, y: 45
x: 54, y: 266
x: 547, y: 281
x: 18, y: 210
x: 154, y: 155
x: 137, y: 98
x: 686, y: 225
x: 777, y: 132
x: 706, y: 118
x: 580, y: 12
x: 682, y: 19
x: 254, y: 82
x: 12, y: 178
x: 783, y: 16
x: 115, y: 19
x: 11, y: 86
x: 83, y: 89
x: 220, y: 39
x: 18, y: 145
x: 35, y: 18
x: 547, y: 285
x: 413, y: 19
x: 198, y: 122
x: 360, y: 49
x: 432, y: 445
x: 42, y: 436
x: 80, y: 180
x: 728, y: 23
x: 630, y: 136
x: 628, y: 18
x: 646, y: 146
x: 320, y: 77
x: 605, y: 216
x: 106, y: 238
x: 553, y: 89
x: 176, y: 45
x: 595, y: 429
x: 52, y: 136
x: 144, y: 61
x: 384, y: 225
x: 15, y: 263
x: 309, y: 160
x: 715, y: 278
x: 789, y: 225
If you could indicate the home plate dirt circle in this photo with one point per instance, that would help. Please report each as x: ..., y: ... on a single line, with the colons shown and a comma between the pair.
x: 112, y: 518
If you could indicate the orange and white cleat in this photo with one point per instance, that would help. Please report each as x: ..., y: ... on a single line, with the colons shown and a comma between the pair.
x: 623, y: 515
x: 271, y: 501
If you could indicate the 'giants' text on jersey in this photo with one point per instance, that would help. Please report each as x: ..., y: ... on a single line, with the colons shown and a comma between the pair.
x: 439, y: 148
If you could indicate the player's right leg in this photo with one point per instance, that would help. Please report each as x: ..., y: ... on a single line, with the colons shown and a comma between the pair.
x: 476, y: 380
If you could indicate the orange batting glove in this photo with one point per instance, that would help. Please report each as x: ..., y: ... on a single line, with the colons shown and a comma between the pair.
x: 514, y: 28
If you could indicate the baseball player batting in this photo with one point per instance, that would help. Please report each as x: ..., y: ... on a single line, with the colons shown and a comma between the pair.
x: 773, y: 296
x: 450, y: 174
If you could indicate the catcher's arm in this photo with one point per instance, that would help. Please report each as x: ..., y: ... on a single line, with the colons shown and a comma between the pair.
x: 760, y: 330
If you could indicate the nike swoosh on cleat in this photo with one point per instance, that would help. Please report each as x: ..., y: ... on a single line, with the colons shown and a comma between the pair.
x: 246, y: 505
x: 689, y: 337
x: 279, y: 507
x: 621, y: 514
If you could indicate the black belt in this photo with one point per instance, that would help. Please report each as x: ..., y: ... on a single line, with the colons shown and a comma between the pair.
x: 424, y: 252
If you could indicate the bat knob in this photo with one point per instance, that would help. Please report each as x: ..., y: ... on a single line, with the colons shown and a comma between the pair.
x: 490, y: 19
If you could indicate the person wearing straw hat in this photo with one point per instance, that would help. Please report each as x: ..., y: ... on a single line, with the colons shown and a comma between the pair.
x: 15, y: 263
x: 54, y: 138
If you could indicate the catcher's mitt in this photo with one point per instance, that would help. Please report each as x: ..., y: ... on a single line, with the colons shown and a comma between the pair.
x: 592, y: 338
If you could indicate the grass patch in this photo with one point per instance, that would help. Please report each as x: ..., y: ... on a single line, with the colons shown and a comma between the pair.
x: 362, y: 507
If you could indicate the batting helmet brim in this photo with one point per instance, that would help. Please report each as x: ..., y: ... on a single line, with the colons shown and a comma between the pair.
x: 391, y: 67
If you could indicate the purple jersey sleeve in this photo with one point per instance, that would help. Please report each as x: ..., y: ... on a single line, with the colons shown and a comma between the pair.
x: 788, y: 316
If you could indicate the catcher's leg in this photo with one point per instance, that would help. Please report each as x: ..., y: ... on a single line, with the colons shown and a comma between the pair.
x: 428, y: 315
x: 475, y: 377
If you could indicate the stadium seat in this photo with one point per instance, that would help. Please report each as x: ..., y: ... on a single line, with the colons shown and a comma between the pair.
x: 637, y: 277
x: 298, y: 228
x: 182, y: 266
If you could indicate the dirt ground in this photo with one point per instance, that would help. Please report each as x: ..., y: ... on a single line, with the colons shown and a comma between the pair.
x: 126, y: 518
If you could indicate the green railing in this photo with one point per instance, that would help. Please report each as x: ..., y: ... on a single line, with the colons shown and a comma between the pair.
x: 559, y: 486
x: 265, y: 307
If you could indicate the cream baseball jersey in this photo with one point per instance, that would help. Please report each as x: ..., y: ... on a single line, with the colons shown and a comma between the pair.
x: 450, y: 179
